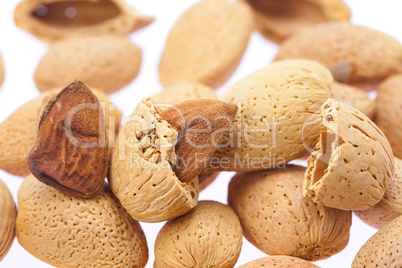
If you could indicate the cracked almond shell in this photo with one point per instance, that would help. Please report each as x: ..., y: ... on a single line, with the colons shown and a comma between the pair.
x: 390, y: 206
x: 279, y: 262
x: 209, y: 235
x: 105, y: 62
x: 276, y: 103
x: 206, y: 43
x: 353, y: 164
x: 338, y: 45
x: 18, y: 132
x: 354, y: 97
x: 279, y: 220
x: 388, y: 115
x: 52, y: 20
x: 1, y: 70
x: 277, y: 20
x: 141, y: 175
x: 66, y: 231
x: 7, y: 220
x: 383, y: 249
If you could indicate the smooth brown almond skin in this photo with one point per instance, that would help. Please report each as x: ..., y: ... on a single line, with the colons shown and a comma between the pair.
x: 279, y: 262
x: 209, y: 235
x: 1, y: 70
x: 70, y: 232
x: 73, y: 158
x: 383, y: 249
x: 334, y: 43
x: 389, y: 111
x: 7, y: 220
x: 278, y: 220
x: 390, y: 206
x: 105, y: 62
x: 206, y: 43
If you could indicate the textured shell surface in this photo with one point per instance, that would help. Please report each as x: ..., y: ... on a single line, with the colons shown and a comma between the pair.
x: 7, y: 220
x: 279, y: 262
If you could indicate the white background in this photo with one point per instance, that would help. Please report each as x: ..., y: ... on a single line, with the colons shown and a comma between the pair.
x: 22, y: 52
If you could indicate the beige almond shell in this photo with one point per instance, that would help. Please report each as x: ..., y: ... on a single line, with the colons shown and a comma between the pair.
x: 383, y: 249
x: 279, y: 262
x: 388, y: 115
x: 278, y: 101
x: 209, y: 235
x: 66, y: 231
x: 390, y: 207
x: 352, y: 165
x: 304, y: 14
x: 339, y: 46
x: 206, y: 43
x: 7, y: 220
x: 141, y: 175
x: 354, y: 97
x: 122, y: 19
x: 18, y: 131
x: 1, y: 70
x: 174, y: 94
x: 278, y: 220
x: 104, y: 62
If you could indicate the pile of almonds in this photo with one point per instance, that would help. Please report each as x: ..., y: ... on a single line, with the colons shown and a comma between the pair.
x: 90, y: 180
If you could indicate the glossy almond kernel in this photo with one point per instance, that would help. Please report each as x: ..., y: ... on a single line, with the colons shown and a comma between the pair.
x: 206, y: 43
x: 388, y: 115
x: 52, y: 20
x: 7, y: 220
x: 105, y: 62
x: 279, y: 220
x: 279, y: 262
x: 66, y: 231
x: 352, y: 165
x: 209, y: 235
x: 338, y: 45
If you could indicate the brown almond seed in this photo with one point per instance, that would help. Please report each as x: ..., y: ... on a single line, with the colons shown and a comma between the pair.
x: 71, y: 149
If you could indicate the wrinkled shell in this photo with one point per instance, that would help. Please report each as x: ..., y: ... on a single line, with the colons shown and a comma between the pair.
x: 353, y: 164
x: 141, y: 175
x: 1, y: 70
x: 206, y: 43
x: 66, y: 231
x: 354, y: 97
x: 383, y: 249
x: 388, y: 115
x: 7, y: 220
x: 105, y: 62
x: 122, y: 20
x: 279, y: 262
x: 338, y: 45
x: 18, y: 131
x: 279, y: 101
x: 390, y: 207
x: 276, y: 20
x: 210, y: 235
x: 278, y: 220
x: 172, y: 95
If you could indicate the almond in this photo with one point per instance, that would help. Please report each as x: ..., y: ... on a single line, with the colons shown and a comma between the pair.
x: 7, y: 220
x: 279, y: 262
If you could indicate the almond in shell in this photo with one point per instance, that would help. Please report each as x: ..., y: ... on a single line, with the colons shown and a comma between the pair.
x: 7, y: 220
x: 279, y: 262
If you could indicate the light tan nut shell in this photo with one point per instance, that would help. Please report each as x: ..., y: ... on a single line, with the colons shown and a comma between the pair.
x: 388, y: 115
x: 354, y: 97
x: 7, y: 220
x: 18, y: 131
x: 279, y: 262
x: 105, y: 62
x: 390, y: 207
x: 274, y: 105
x: 210, y: 235
x: 172, y: 95
x: 120, y: 18
x: 278, y: 220
x: 1, y: 70
x: 383, y: 249
x: 355, y: 54
x: 141, y: 176
x: 276, y: 20
x: 353, y: 164
x: 67, y: 231
x: 206, y: 43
